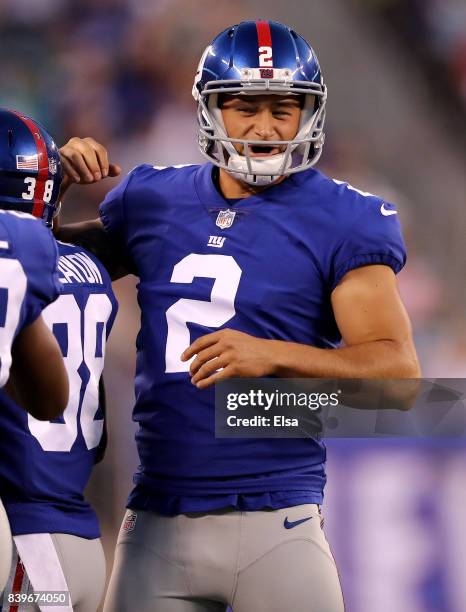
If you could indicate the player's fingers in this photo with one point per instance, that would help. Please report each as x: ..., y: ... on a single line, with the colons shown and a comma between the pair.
x: 101, y: 155
x: 215, y: 364
x: 82, y: 153
x: 76, y: 160
x: 68, y: 171
x: 204, y: 356
x: 198, y: 345
x: 114, y: 170
x: 93, y: 164
x: 216, y: 377
x: 78, y: 145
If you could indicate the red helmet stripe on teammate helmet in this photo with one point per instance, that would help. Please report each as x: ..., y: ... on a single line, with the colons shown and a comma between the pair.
x: 264, y: 43
x: 43, y: 164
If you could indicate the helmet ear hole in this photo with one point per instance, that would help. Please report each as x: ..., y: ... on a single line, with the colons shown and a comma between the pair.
x: 10, y: 138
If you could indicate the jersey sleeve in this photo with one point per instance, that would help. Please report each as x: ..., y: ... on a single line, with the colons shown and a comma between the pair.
x: 124, y: 212
x: 114, y: 210
x: 41, y: 262
x: 372, y: 238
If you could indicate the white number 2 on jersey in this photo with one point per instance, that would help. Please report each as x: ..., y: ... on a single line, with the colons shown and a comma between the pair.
x: 221, y: 308
x: 81, y: 347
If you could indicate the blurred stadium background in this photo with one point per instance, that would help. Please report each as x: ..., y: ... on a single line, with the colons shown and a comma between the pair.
x: 121, y: 71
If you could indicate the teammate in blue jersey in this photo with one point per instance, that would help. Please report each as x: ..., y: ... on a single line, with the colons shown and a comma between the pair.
x: 31, y: 364
x: 30, y: 176
x: 253, y: 264
x: 55, y: 531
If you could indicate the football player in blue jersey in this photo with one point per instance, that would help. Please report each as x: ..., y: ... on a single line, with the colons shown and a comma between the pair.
x: 30, y: 173
x: 253, y: 264
x: 55, y: 531
x: 31, y: 364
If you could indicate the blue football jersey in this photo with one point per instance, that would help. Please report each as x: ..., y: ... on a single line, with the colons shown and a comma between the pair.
x: 49, y: 463
x: 265, y: 265
x: 28, y: 277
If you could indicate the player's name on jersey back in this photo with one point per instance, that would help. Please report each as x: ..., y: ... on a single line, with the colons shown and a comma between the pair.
x: 78, y: 268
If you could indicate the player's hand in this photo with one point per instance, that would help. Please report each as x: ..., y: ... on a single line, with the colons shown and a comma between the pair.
x: 228, y: 354
x: 85, y: 161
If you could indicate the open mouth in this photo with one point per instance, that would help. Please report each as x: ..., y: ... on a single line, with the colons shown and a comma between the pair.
x: 263, y: 150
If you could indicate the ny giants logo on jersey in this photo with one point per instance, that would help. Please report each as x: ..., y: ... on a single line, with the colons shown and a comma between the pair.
x: 216, y: 241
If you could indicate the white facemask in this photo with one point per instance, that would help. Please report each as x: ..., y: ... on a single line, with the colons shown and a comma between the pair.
x: 259, y: 170
x: 265, y: 170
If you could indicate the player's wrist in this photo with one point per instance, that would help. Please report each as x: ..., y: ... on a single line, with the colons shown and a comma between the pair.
x: 279, y: 357
x: 293, y: 359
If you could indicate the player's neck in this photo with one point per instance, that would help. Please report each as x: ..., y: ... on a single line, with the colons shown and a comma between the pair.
x: 232, y: 188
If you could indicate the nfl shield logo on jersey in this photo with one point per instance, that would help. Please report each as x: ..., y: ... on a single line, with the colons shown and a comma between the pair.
x: 225, y: 219
x: 129, y: 522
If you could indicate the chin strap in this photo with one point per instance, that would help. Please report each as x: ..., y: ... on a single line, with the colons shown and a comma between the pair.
x: 239, y: 168
x: 56, y: 212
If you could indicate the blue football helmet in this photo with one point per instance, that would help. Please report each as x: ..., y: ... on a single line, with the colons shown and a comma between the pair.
x: 30, y: 167
x: 254, y: 58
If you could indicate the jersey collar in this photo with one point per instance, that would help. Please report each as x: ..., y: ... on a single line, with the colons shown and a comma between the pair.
x: 212, y: 199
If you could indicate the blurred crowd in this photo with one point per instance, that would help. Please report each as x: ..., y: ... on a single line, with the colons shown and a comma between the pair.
x: 435, y: 30
x: 107, y: 69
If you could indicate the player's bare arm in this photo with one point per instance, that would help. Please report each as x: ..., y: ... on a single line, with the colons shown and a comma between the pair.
x: 371, y: 318
x: 43, y: 392
x: 85, y: 161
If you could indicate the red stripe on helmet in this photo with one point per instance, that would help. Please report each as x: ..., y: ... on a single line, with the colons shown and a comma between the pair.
x: 264, y: 37
x: 43, y: 165
x: 264, y: 41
